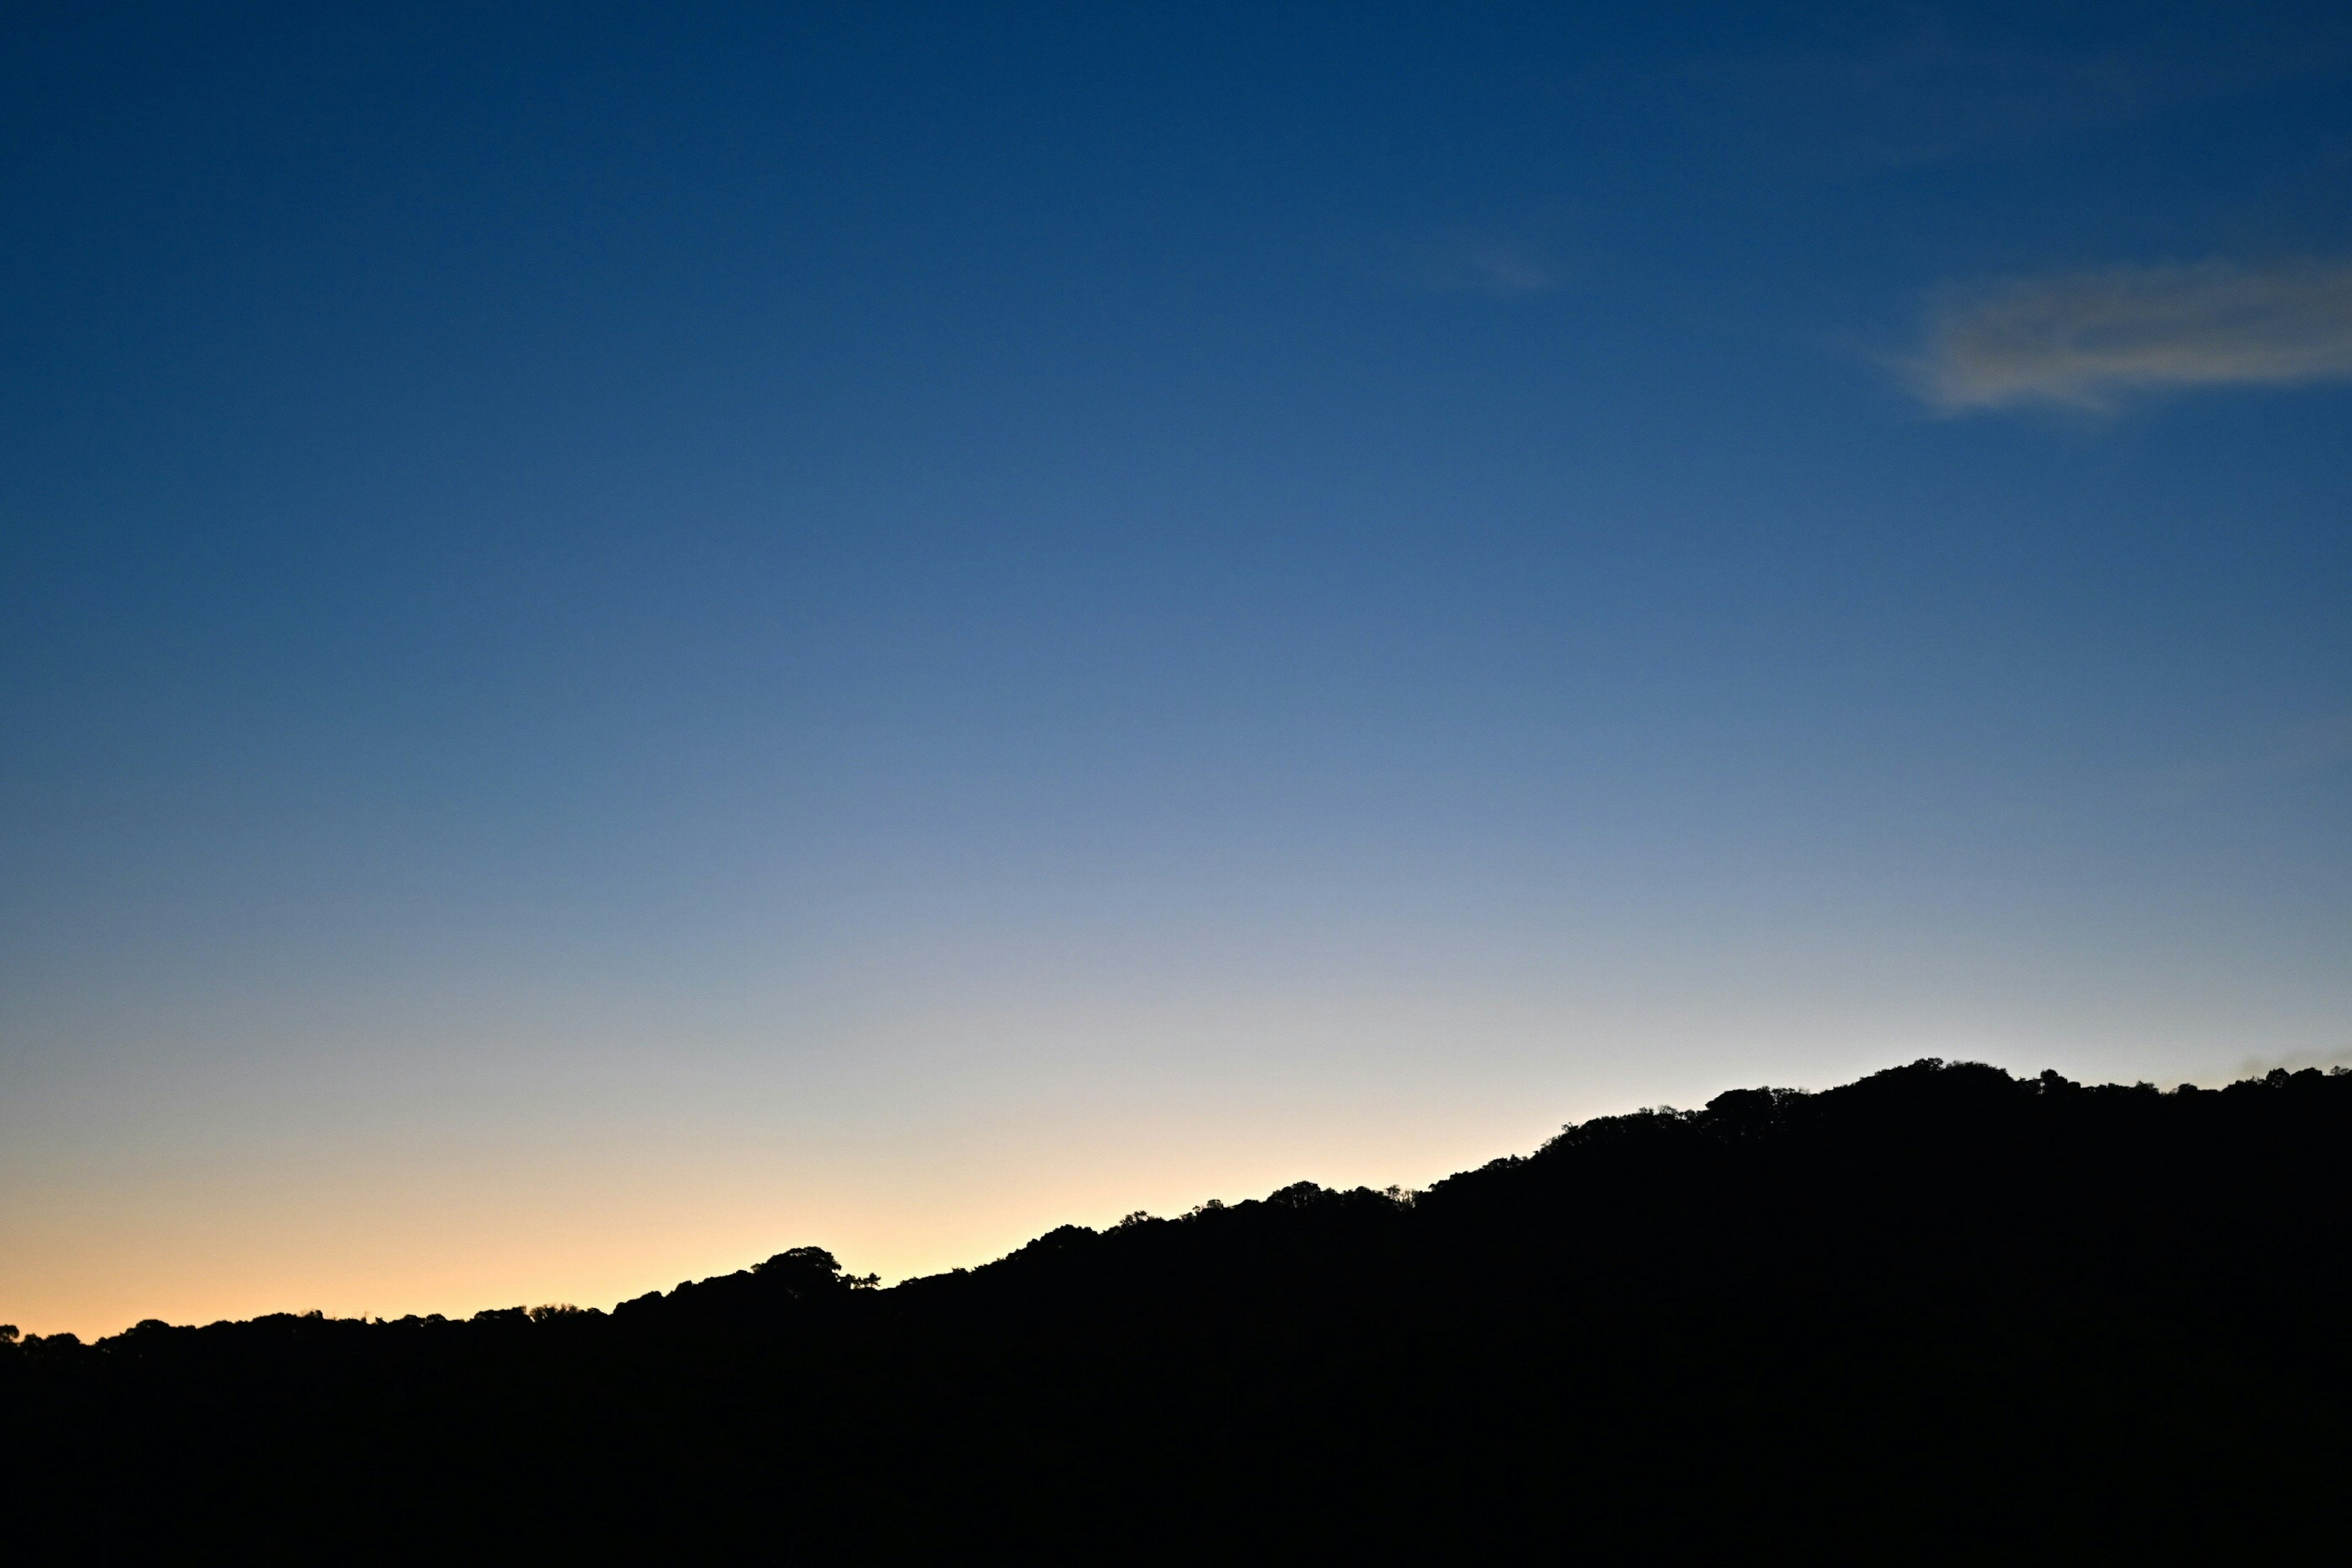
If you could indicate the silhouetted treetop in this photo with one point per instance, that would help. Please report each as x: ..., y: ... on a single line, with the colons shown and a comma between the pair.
x: 1977, y: 1315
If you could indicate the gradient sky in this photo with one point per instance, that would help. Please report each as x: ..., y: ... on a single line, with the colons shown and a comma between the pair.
x: 630, y: 637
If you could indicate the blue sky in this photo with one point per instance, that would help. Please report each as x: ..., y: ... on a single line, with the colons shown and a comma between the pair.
x: 628, y: 638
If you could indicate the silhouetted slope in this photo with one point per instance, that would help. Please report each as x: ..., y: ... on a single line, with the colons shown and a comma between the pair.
x: 1939, y: 1313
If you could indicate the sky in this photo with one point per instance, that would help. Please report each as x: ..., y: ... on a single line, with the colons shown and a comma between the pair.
x: 630, y: 637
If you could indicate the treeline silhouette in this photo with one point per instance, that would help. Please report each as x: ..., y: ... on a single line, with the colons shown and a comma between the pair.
x: 1937, y: 1314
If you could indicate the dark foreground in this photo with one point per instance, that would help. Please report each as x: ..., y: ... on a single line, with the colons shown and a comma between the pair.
x: 1940, y: 1314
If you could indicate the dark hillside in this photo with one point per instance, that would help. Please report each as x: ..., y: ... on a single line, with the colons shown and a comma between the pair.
x: 1936, y: 1314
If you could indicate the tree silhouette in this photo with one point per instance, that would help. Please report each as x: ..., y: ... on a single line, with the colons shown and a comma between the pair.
x: 1939, y: 1313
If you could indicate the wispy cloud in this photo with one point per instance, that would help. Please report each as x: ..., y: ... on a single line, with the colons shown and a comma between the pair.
x: 2085, y: 340
x: 1478, y: 266
x: 1505, y: 269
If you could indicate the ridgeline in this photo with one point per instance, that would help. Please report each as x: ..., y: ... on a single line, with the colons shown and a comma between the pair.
x: 1937, y: 1314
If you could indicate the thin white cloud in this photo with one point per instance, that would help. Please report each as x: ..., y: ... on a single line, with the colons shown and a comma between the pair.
x: 2088, y: 339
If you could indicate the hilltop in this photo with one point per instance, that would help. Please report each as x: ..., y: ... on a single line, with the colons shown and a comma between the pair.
x: 1941, y: 1312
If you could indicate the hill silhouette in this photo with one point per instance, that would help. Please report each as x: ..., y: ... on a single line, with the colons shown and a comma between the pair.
x: 1937, y: 1314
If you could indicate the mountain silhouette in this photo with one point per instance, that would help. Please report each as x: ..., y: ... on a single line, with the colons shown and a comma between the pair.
x: 1940, y: 1314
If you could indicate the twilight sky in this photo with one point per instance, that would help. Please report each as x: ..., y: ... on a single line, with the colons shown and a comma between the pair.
x: 630, y: 637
